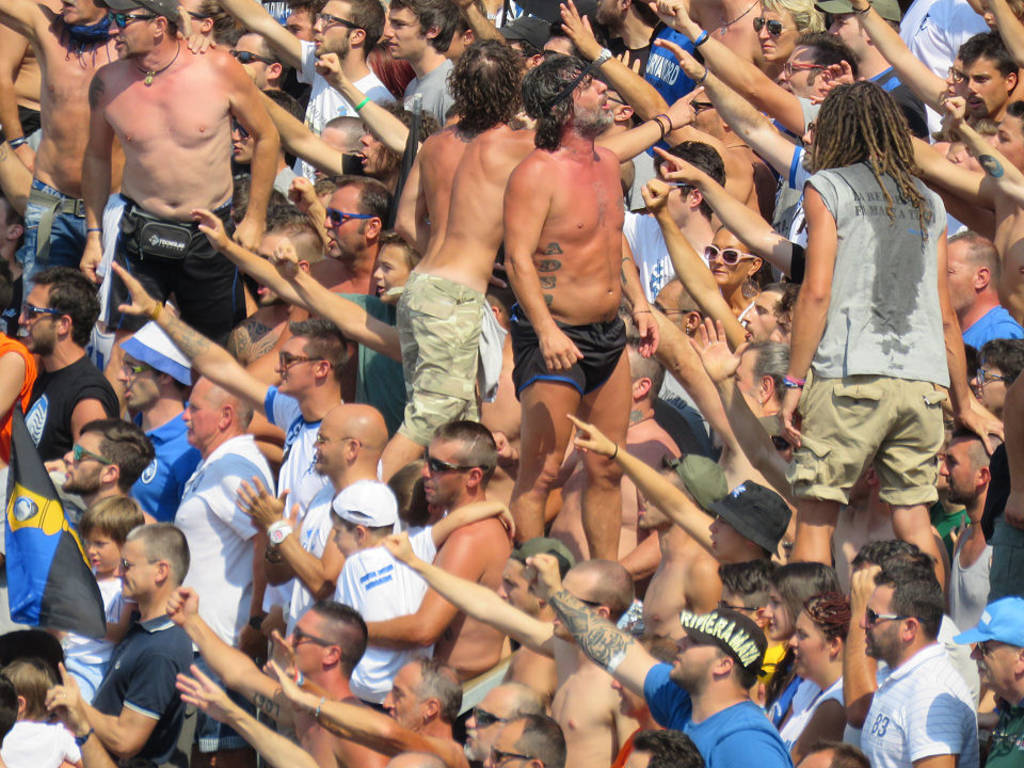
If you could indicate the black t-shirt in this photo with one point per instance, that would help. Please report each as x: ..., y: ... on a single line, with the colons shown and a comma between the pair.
x: 55, y: 396
x: 9, y: 324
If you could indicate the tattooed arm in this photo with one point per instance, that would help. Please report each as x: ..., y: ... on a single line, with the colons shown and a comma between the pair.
x: 210, y: 360
x: 602, y: 641
x: 999, y: 172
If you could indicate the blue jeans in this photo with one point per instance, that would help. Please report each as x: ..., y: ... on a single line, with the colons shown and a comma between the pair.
x: 67, y: 238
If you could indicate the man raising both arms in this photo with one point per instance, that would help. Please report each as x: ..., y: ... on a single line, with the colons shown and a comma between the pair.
x: 172, y: 112
x: 565, y: 256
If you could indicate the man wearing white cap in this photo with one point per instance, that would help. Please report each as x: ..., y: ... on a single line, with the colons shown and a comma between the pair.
x: 998, y: 641
x: 156, y: 379
x: 373, y: 582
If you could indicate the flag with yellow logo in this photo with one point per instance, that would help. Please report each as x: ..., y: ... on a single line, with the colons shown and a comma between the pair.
x: 49, y: 582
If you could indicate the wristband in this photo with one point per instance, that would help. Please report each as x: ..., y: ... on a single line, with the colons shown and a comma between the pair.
x: 863, y: 11
x: 701, y: 39
x: 94, y: 229
x: 700, y: 80
x: 18, y: 142
x: 615, y: 452
x: 316, y: 715
x: 300, y: 678
x: 80, y: 740
x: 362, y: 103
x: 256, y: 621
x: 791, y: 382
x: 154, y: 313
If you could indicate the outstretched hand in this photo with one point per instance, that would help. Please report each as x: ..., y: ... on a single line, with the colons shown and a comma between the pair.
x: 211, y: 226
x: 261, y: 505
x: 690, y: 66
x: 577, y: 28
x: 142, y: 303
x: 590, y: 438
x: 713, y: 349
x: 205, y: 695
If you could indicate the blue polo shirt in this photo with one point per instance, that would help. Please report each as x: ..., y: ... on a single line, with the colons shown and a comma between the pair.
x: 735, y: 737
x: 160, y: 487
x: 141, y: 677
x: 997, y: 323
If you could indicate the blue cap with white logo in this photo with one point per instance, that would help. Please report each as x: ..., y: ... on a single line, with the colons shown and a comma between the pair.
x: 1002, y: 621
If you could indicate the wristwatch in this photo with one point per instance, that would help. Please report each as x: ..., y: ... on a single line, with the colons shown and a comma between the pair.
x: 602, y: 57
x: 278, y: 532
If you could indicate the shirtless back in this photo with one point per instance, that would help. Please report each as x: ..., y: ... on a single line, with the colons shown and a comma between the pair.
x: 67, y: 67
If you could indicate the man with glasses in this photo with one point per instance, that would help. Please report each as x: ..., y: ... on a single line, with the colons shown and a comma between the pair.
x: 922, y: 707
x: 324, y: 648
x: 998, y: 640
x: 974, y: 270
x: 136, y: 712
x: 58, y: 316
x: 109, y: 457
x: 261, y: 62
x: 156, y: 378
x: 501, y: 705
x: 460, y: 462
x: 243, y: 145
x: 1000, y: 363
x: 349, y: 28
x: 529, y: 741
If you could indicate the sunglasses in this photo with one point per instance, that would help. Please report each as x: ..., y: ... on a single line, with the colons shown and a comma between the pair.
x: 287, y: 361
x: 774, y: 26
x: 326, y: 20
x: 789, y: 67
x: 247, y: 57
x: 78, y: 453
x: 122, y: 20
x: 871, y: 618
x: 499, y: 758
x: 437, y: 466
x: 729, y: 256
x: 303, y: 637
x: 31, y: 311
x: 337, y: 218
x: 134, y: 368
x: 485, y: 719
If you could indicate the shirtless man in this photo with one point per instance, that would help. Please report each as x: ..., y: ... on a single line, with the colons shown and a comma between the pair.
x: 585, y: 704
x: 460, y: 461
x: 70, y: 46
x: 172, y: 112
x: 461, y: 179
x: 20, y: 81
x: 567, y: 264
x: 646, y: 440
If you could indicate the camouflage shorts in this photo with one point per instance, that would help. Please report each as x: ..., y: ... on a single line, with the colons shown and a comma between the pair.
x: 439, y: 330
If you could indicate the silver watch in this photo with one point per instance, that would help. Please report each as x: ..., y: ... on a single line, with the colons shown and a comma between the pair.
x: 602, y: 57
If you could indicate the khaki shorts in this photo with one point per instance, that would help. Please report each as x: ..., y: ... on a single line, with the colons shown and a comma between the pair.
x: 439, y: 331
x: 859, y: 420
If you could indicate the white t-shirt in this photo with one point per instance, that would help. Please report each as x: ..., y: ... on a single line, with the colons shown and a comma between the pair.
x: 325, y: 103
x: 806, y: 700
x: 650, y: 252
x: 922, y: 709
x: 315, y: 533
x: 90, y: 650
x: 39, y: 745
x: 381, y: 588
x: 219, y: 534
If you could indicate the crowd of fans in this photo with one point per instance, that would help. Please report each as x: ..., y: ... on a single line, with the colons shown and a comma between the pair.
x: 449, y: 383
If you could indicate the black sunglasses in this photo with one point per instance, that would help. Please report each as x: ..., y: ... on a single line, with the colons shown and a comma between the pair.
x: 247, y: 57
x: 437, y: 466
x: 484, y: 718
x: 122, y: 20
x: 774, y: 25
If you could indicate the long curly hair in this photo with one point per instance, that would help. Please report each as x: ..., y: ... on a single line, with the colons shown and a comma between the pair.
x: 861, y: 123
x: 541, y: 87
x: 486, y: 84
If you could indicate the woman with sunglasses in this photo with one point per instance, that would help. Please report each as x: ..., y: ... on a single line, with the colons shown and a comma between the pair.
x: 736, y: 270
x: 817, y: 711
x: 779, y: 25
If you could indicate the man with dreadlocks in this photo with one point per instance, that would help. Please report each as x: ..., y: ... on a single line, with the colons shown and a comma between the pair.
x: 442, y: 306
x: 870, y: 322
x: 565, y: 255
x: 70, y: 46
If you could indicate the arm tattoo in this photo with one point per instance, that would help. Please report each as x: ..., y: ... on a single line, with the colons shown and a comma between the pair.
x: 190, y: 341
x: 598, y: 638
x: 269, y: 706
x: 96, y: 89
x: 992, y: 166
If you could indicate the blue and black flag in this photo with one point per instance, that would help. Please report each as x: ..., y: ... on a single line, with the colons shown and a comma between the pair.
x: 49, y: 582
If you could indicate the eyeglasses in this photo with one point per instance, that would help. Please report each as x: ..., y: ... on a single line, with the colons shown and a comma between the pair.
x: 31, y: 311
x: 337, y: 218
x: 287, y: 361
x: 774, y: 26
x: 326, y: 20
x: 321, y: 440
x: 668, y: 312
x: 437, y: 466
x: 303, y: 637
x: 984, y: 376
x: 729, y: 256
x: 790, y: 67
x: 134, y: 369
x: 485, y: 719
x: 871, y: 618
x: 498, y: 757
x: 78, y: 453
x: 956, y: 76
x: 122, y: 20
x: 247, y: 57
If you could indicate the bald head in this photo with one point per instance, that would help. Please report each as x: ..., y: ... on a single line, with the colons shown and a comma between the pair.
x: 603, y: 582
x: 360, y: 422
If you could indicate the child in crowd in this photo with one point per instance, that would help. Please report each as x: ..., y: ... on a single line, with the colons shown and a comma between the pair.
x: 34, y: 742
x: 104, y: 528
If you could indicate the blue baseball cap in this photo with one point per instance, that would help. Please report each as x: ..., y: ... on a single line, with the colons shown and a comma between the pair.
x: 1002, y: 621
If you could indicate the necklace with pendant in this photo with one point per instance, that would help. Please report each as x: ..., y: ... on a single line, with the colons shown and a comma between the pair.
x: 151, y: 73
x: 723, y: 28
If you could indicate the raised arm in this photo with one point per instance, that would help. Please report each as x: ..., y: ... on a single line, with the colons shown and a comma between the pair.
x: 691, y: 271
x: 476, y: 600
x: 25, y: 17
x: 15, y: 178
x: 972, y: 187
x: 1001, y: 173
x: 656, y: 489
x: 254, y: 17
x: 209, y: 359
x: 13, y: 48
x: 482, y: 27
x: 392, y: 132
x: 1010, y: 29
x: 302, y: 142
x: 606, y: 645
